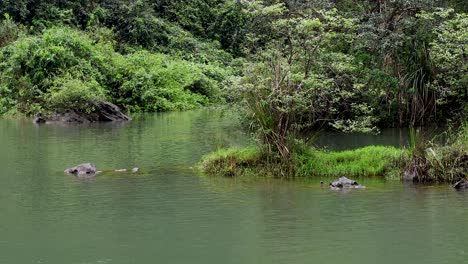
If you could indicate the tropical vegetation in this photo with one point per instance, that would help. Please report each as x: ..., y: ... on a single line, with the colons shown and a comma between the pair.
x: 291, y: 67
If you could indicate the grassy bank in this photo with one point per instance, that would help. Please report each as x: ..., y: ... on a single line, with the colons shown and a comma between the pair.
x: 363, y: 162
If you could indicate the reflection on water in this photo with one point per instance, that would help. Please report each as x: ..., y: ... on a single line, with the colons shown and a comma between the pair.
x: 397, y: 137
x: 169, y: 214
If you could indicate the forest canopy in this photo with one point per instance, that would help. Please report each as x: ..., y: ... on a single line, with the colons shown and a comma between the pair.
x: 298, y: 65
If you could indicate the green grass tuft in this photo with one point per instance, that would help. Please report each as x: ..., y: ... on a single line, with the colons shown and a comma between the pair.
x: 367, y: 161
x: 232, y: 161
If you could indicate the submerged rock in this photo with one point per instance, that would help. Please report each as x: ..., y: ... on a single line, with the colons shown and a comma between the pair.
x: 461, y: 184
x: 82, y: 169
x: 121, y: 170
x: 345, y: 183
x: 38, y: 119
x: 103, y: 112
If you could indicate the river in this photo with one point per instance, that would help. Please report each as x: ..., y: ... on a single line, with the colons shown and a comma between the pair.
x: 170, y: 214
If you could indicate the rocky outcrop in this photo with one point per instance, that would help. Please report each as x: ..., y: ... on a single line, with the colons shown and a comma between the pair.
x: 103, y: 112
x: 345, y: 183
x: 82, y: 169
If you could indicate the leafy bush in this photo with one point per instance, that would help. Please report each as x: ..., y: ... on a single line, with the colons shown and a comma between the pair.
x: 30, y: 66
x: 9, y: 31
x: 61, y: 59
x: 155, y: 82
x: 74, y: 94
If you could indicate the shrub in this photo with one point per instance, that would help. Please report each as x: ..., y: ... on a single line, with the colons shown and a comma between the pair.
x: 74, y: 94
x: 58, y: 61
x: 155, y: 82
x: 30, y: 65
x: 9, y: 31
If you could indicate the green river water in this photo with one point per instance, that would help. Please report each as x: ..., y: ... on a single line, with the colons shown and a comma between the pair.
x: 170, y: 214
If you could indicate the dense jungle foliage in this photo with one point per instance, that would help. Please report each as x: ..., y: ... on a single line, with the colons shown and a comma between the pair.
x: 294, y: 65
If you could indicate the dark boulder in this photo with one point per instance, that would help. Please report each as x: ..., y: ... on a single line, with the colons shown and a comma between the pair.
x: 110, y: 112
x: 345, y: 183
x: 82, y: 169
x: 39, y: 119
x: 103, y: 112
x: 461, y: 184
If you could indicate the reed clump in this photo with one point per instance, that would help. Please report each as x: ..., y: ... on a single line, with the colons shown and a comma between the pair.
x: 431, y: 162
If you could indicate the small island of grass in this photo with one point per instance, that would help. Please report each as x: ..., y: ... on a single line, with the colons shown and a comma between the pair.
x: 424, y: 162
x: 362, y: 162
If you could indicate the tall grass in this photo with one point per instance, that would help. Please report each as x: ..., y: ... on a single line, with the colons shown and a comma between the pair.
x: 363, y: 162
x: 434, y: 162
x: 232, y: 162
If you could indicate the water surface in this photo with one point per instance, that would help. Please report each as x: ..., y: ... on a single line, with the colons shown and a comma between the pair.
x: 170, y: 214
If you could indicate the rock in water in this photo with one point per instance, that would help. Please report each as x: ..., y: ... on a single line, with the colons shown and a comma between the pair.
x: 109, y: 112
x: 135, y: 170
x: 103, y: 112
x: 461, y: 184
x: 409, y: 176
x: 85, y: 168
x: 345, y: 183
x: 121, y: 170
x: 38, y: 119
